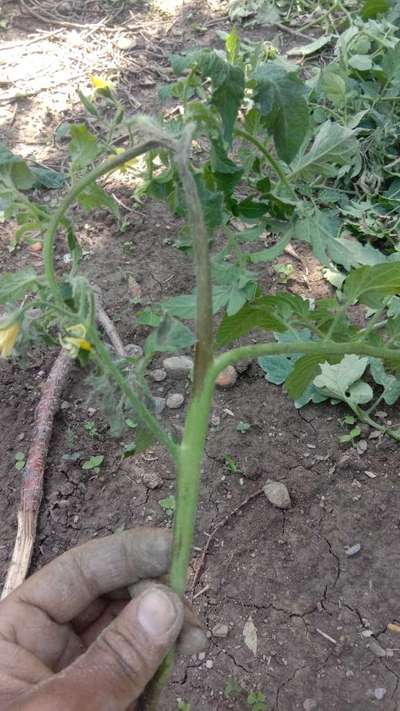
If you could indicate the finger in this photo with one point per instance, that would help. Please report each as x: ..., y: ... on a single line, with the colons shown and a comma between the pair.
x: 116, y: 668
x: 68, y: 584
x: 193, y: 638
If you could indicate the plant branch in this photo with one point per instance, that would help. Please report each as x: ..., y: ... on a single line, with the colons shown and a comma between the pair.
x: 107, y: 167
x: 148, y: 419
x: 274, y: 163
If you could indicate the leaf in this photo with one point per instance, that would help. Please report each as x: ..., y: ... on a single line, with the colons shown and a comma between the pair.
x: 333, y: 146
x: 48, y: 178
x: 94, y: 196
x: 390, y: 384
x: 16, y: 169
x: 267, y: 255
x: 250, y: 636
x: 312, y: 47
x: 170, y: 336
x: 277, y: 367
x: 340, y: 380
x: 14, y: 286
x: 83, y: 146
x: 228, y: 98
x: 370, y: 285
x: 268, y: 313
x: 302, y: 374
x: 361, y: 62
x: 88, y: 105
x: 93, y: 462
x: 232, y: 45
x: 182, y: 306
x: 279, y: 95
x: 372, y: 8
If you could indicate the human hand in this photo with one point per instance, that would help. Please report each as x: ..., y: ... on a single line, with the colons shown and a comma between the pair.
x: 71, y: 639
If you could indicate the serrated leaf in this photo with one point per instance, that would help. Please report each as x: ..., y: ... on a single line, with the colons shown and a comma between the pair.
x: 267, y: 313
x: 14, y: 286
x: 332, y: 147
x: 279, y: 95
x: 170, y: 336
x: 267, y: 255
x: 94, y: 196
x: 83, y: 146
x: 370, y: 285
x: 340, y: 380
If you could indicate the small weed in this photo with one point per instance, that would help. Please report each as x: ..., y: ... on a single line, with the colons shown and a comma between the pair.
x: 284, y: 272
x: 183, y: 705
x: 19, y: 461
x: 90, y: 427
x: 94, y: 463
x: 232, y: 464
x: 256, y: 701
x: 243, y: 427
x: 168, y: 504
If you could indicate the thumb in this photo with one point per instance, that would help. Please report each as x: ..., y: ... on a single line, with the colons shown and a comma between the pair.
x: 117, y: 666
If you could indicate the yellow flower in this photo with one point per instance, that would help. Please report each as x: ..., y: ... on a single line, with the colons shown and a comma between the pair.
x: 76, y: 341
x: 100, y: 84
x: 8, y: 336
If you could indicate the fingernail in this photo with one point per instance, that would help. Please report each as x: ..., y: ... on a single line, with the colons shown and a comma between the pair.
x: 156, y: 613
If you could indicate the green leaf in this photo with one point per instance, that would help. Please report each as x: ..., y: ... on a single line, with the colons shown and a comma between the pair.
x: 302, y: 374
x: 332, y: 147
x: 370, y: 285
x: 170, y: 336
x: 269, y: 313
x: 312, y: 47
x: 361, y: 62
x: 227, y: 98
x: 89, y: 105
x: 83, y: 146
x: 373, y: 8
x: 93, y: 462
x: 280, y: 97
x: 94, y: 196
x: 16, y: 169
x: 340, y: 380
x: 14, y: 286
x: 232, y: 45
x: 267, y: 255
x: 355, y: 432
x: 390, y: 384
x: 48, y: 178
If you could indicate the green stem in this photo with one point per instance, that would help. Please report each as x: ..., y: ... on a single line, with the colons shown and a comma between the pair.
x: 275, y: 165
x: 144, y: 414
x: 106, y: 167
x: 323, y: 348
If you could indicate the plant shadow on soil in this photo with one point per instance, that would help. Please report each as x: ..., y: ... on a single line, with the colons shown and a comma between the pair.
x: 313, y: 606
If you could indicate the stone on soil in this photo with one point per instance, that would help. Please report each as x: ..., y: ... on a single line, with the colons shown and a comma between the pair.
x: 277, y: 494
x: 178, y: 367
x: 227, y: 378
x: 175, y: 400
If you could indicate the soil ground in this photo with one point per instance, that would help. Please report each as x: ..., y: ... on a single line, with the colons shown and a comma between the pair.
x: 321, y: 616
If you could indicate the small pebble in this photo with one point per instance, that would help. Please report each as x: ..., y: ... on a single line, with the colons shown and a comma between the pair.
x: 277, y: 494
x: 380, y: 693
x: 178, y: 367
x: 21, y: 436
x: 227, y: 378
x: 152, y: 480
x: 376, y: 648
x: 123, y: 42
x: 91, y: 411
x: 158, y: 375
x: 309, y: 705
x: 220, y: 630
x: 174, y: 401
x: 202, y: 656
x: 65, y: 405
x: 209, y: 664
x: 243, y: 365
x: 132, y: 350
x: 352, y: 550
